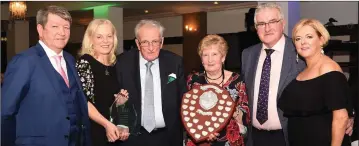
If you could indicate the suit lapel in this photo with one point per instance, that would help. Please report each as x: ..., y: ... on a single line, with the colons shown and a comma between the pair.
x: 288, y: 56
x: 71, y: 67
x: 50, y: 70
x: 163, y: 73
x: 253, y: 70
x: 135, y: 67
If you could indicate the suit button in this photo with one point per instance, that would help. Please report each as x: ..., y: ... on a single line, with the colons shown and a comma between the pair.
x: 68, y: 118
x: 66, y: 136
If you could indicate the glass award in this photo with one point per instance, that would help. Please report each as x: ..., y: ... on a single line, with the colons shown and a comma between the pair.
x: 124, y: 117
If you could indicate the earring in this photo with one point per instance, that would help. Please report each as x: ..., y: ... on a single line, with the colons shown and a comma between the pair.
x: 322, y: 51
x: 297, y: 58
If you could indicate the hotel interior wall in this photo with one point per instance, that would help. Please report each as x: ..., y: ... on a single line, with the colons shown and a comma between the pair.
x: 232, y: 21
x: 344, y: 12
x: 229, y: 21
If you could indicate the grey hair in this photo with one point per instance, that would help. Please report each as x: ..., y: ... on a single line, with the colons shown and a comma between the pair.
x: 149, y: 22
x: 268, y: 5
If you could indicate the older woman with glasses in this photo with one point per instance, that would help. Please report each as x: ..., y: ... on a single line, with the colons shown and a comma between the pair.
x: 213, y: 50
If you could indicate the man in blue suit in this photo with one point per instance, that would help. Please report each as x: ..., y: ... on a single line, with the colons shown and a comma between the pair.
x: 42, y: 100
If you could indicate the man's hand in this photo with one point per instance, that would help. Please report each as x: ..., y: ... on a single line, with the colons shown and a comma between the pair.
x: 124, y: 133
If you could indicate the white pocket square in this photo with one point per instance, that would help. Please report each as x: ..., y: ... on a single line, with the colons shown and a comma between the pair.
x: 171, y: 77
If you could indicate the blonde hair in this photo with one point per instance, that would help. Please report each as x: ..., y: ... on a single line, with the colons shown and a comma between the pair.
x: 42, y: 14
x: 87, y: 40
x: 213, y: 39
x: 266, y: 6
x: 316, y: 25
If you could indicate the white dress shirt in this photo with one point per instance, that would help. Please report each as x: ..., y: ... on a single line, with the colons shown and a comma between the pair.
x: 155, y: 69
x: 273, y: 122
x: 51, y: 53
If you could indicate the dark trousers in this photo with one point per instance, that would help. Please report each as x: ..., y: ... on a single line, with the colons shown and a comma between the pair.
x: 155, y: 138
x: 268, y: 138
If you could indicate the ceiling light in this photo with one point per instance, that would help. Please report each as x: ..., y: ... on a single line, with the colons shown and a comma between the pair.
x: 17, y: 10
x: 216, y: 3
x: 146, y: 11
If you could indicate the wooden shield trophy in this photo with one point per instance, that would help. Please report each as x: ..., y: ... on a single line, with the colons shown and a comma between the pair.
x: 205, y: 110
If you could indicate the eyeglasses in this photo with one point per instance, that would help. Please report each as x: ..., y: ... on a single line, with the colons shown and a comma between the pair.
x: 154, y: 43
x: 270, y: 23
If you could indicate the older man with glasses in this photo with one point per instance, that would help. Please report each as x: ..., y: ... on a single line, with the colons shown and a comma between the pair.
x: 155, y: 82
x: 268, y: 67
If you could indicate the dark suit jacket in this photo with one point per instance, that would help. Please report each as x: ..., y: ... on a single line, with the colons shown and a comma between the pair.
x: 33, y: 108
x: 290, y: 70
x: 129, y: 78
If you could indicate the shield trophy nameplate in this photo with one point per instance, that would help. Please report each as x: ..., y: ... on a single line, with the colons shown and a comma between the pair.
x: 206, y: 109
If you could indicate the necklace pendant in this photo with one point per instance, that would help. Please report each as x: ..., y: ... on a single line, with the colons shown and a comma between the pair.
x: 106, y: 72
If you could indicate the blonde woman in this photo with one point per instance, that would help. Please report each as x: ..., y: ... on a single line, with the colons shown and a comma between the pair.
x: 98, y: 76
x: 317, y: 101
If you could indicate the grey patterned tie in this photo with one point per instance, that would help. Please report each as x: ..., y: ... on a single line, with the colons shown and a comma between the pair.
x: 149, y: 109
x: 262, y: 104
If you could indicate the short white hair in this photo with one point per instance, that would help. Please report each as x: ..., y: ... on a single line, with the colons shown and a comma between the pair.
x: 268, y: 5
x: 149, y: 22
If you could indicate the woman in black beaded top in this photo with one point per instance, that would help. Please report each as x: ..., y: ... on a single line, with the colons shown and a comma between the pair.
x: 99, y: 80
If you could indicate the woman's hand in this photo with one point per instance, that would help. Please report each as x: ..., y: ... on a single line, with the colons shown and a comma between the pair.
x: 350, y: 124
x: 238, y: 115
x: 112, y: 132
x: 121, y: 97
x: 213, y: 137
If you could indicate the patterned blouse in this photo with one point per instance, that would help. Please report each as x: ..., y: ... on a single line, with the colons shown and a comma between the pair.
x: 234, y: 133
x: 99, y: 84
x: 87, y: 79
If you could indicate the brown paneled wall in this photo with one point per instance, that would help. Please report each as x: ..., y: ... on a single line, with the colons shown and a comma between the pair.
x: 192, y: 38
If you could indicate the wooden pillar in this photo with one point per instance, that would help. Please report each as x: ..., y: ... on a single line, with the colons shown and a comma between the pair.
x: 192, y: 34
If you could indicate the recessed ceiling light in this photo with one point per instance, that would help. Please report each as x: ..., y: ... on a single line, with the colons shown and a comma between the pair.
x: 146, y: 11
x: 216, y: 3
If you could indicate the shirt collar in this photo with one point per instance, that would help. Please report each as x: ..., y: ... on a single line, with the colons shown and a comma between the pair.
x: 49, y: 52
x: 278, y: 47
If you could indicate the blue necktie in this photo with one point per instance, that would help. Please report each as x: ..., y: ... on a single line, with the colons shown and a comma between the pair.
x: 262, y: 104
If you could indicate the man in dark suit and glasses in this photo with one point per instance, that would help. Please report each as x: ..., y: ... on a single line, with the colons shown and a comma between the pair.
x: 268, y: 67
x: 155, y: 82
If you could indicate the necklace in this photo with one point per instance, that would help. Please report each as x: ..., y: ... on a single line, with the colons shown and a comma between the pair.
x: 222, y: 75
x: 106, y: 71
x: 205, y: 73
